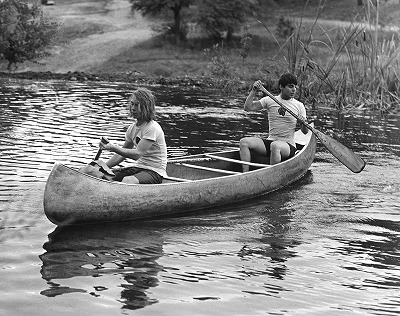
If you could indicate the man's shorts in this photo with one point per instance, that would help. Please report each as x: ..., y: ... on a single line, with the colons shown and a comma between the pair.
x: 145, y: 176
x: 267, y: 143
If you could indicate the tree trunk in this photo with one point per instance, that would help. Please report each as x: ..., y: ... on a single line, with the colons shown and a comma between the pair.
x: 229, y: 35
x: 179, y: 33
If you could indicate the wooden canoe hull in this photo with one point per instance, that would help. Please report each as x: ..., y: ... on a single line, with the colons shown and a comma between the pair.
x: 72, y: 197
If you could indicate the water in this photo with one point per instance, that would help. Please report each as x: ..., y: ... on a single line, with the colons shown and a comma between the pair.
x: 326, y: 245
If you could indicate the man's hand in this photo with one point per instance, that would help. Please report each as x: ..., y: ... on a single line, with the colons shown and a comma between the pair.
x: 258, y: 86
x: 301, y: 118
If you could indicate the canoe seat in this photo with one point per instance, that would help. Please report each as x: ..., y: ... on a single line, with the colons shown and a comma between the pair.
x: 253, y: 164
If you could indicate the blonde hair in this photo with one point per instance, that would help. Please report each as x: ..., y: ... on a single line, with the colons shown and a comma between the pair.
x: 146, y: 104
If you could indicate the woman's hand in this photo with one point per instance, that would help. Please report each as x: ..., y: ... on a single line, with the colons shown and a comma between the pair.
x: 107, y: 146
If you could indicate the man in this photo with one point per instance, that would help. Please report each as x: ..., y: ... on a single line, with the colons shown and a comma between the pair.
x: 279, y: 145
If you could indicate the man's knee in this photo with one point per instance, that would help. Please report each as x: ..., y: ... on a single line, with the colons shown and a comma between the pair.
x: 275, y: 146
x: 280, y: 147
x: 245, y: 142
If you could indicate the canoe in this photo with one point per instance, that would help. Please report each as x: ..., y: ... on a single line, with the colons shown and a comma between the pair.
x: 194, y: 182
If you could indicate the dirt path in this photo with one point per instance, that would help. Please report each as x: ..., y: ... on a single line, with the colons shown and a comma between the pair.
x: 118, y: 30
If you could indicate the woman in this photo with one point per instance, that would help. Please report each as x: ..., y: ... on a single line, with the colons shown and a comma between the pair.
x: 144, y: 143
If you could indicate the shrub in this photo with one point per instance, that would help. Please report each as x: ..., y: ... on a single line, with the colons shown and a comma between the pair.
x: 285, y: 28
x: 24, y: 32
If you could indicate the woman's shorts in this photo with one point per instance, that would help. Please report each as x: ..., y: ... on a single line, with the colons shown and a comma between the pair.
x: 267, y: 143
x: 145, y: 176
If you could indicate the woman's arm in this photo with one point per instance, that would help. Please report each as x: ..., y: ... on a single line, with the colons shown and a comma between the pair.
x: 127, y: 151
x: 116, y: 159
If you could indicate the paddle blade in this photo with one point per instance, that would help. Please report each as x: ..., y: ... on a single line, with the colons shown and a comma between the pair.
x: 341, y: 152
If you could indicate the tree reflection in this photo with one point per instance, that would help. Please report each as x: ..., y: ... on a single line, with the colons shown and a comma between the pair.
x: 100, y: 251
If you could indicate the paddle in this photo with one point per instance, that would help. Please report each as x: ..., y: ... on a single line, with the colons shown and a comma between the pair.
x: 102, y: 165
x: 105, y: 141
x: 341, y: 152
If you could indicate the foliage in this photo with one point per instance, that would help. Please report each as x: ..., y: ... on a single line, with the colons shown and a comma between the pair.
x: 154, y: 6
x: 24, y: 32
x: 359, y: 68
x: 220, y: 16
x: 246, y: 44
x: 167, y: 30
x: 220, y: 65
x: 345, y: 67
x: 285, y: 28
x: 178, y: 28
x: 216, y: 17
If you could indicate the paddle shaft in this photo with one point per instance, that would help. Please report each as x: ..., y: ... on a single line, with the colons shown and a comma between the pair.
x: 341, y: 152
x: 105, y: 141
x: 289, y: 110
x: 98, y: 154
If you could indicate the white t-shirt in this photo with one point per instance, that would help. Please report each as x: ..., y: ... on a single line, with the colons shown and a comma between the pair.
x: 282, y: 127
x: 156, y: 157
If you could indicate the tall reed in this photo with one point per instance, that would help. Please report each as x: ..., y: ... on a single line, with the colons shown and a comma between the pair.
x: 354, y: 67
x: 350, y: 66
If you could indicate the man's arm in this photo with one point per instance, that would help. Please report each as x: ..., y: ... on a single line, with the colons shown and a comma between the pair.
x: 250, y: 104
x: 303, y: 128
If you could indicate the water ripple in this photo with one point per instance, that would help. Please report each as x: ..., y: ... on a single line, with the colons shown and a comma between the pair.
x: 328, y: 244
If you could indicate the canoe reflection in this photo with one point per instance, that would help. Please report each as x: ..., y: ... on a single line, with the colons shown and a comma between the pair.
x: 99, y: 250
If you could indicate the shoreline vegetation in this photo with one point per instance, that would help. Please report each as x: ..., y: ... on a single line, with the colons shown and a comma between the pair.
x: 348, y: 64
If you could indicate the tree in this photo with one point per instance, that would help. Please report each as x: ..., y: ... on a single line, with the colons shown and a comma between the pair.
x: 24, y: 32
x: 218, y: 16
x: 155, y: 6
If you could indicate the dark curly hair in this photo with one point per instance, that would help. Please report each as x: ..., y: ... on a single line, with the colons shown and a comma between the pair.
x: 286, y: 79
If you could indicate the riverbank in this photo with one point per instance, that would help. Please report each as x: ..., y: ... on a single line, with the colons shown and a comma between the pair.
x: 114, y: 77
x: 106, y: 37
x: 106, y: 41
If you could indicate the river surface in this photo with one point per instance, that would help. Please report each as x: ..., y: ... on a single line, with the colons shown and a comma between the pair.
x: 327, y: 245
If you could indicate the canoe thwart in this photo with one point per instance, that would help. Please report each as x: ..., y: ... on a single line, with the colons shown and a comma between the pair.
x: 207, y: 168
x: 253, y: 164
